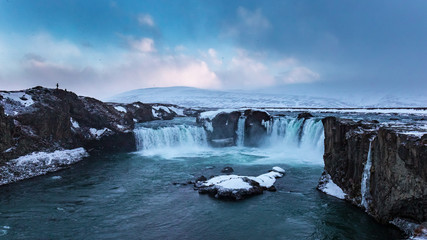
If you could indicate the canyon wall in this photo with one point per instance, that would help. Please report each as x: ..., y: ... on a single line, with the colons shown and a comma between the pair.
x: 397, y: 186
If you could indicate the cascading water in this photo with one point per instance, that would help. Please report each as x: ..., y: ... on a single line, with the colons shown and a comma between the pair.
x: 241, y: 131
x: 288, y: 139
x: 170, y: 137
x: 296, y: 133
x: 293, y: 138
x: 364, y: 189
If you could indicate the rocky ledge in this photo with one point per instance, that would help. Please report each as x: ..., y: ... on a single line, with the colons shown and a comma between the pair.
x: 47, y: 124
x: 380, y: 168
x: 234, y: 187
x: 222, y: 126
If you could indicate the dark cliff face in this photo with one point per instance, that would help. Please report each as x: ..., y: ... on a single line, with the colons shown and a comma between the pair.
x: 222, y: 129
x: 398, y: 183
x: 255, y: 130
x: 225, y: 125
x: 59, y: 119
x: 399, y: 176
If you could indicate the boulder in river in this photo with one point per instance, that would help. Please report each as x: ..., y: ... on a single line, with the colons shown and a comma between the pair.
x: 235, y: 187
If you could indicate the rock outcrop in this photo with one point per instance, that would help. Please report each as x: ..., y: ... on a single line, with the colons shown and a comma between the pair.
x: 397, y: 179
x: 222, y: 127
x: 255, y: 127
x: 51, y: 119
x: 234, y: 187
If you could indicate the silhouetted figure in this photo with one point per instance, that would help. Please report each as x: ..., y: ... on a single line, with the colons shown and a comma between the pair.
x: 57, y: 86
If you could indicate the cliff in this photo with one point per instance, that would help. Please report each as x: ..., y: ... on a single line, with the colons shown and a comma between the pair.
x: 51, y: 120
x: 396, y: 183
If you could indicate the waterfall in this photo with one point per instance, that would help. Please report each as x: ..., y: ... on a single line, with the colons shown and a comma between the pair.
x: 240, y: 141
x: 301, y: 140
x: 170, y: 137
x: 296, y: 133
x: 364, y: 189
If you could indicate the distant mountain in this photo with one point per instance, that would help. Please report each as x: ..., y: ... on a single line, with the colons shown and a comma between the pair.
x: 195, y: 97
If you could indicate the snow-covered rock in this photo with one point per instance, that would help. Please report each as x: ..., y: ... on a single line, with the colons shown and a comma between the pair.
x: 235, y: 187
x: 328, y: 186
x: 39, y: 163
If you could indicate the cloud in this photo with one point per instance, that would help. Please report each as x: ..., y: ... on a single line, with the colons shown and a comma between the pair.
x: 253, y: 19
x: 244, y: 71
x: 107, y: 73
x: 45, y: 60
x: 213, y: 56
x: 145, y: 20
x: 248, y: 23
x: 145, y: 45
x: 298, y: 75
x: 180, y: 48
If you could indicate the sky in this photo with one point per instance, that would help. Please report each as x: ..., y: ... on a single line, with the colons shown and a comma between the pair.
x: 102, y: 48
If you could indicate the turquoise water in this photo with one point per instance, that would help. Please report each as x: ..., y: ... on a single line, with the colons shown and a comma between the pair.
x: 132, y: 196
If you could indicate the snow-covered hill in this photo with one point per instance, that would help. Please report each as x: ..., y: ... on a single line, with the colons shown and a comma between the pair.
x: 194, y: 97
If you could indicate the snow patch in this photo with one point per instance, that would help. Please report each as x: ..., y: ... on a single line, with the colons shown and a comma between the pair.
x: 236, y: 182
x: 154, y: 113
x: 97, y: 133
x: 9, y: 150
x: 20, y: 97
x: 329, y: 187
x: 212, y: 114
x: 74, y: 124
x: 228, y: 182
x: 267, y: 179
x: 121, y: 109
x: 178, y: 111
x: 60, y: 156
x: 39, y: 163
x: 279, y: 170
x: 166, y: 109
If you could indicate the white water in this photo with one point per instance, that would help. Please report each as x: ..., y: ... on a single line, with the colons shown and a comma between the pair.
x: 289, y: 140
x: 364, y: 189
x: 295, y: 139
x: 241, y: 131
x: 170, y: 140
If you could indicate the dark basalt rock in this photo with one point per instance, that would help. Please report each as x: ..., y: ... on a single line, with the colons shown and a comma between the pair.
x: 398, y: 182
x: 305, y: 115
x: 255, y: 130
x: 225, y: 125
x: 47, y: 124
x: 201, y: 179
x: 227, y: 170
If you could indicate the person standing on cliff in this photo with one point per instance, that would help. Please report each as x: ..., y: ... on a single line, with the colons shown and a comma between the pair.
x: 57, y: 85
